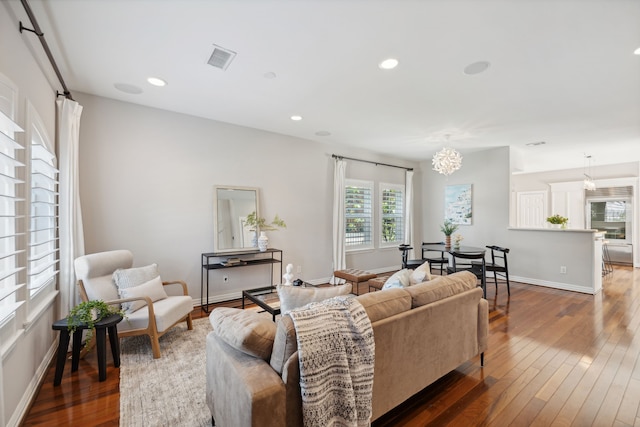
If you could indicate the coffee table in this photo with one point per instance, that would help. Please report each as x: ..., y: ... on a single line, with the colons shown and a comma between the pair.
x: 266, y: 298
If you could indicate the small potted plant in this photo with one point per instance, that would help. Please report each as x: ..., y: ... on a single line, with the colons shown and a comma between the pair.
x: 257, y: 223
x: 558, y: 221
x: 448, y: 228
x: 88, y: 313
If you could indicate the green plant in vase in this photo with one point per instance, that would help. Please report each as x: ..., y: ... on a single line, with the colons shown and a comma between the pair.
x: 259, y: 224
x: 558, y: 220
x: 88, y: 313
x: 448, y: 228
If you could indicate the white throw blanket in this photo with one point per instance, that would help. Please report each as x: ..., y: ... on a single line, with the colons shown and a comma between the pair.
x: 336, y: 351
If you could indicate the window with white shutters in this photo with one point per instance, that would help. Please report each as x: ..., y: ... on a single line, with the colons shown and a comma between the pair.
x: 391, y: 214
x: 43, y: 219
x: 11, y: 217
x: 358, y: 214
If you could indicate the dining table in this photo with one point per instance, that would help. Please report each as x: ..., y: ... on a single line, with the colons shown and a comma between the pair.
x: 450, y: 249
x: 465, y: 250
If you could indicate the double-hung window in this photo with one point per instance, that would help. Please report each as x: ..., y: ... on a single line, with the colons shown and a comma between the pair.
x: 358, y: 214
x: 391, y: 214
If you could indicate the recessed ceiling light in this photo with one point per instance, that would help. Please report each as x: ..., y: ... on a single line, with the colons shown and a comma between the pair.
x: 388, y: 64
x: 296, y: 118
x: 637, y: 51
x: 323, y: 133
x: 156, y: 81
x: 476, y: 67
x: 127, y: 88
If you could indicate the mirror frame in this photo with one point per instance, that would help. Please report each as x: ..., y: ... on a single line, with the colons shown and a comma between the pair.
x: 216, y: 240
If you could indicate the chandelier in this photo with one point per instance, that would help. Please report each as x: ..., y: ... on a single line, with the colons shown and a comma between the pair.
x: 588, y: 183
x: 447, y: 161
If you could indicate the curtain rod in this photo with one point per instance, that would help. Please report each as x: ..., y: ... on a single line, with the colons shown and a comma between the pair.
x: 336, y: 156
x: 36, y: 30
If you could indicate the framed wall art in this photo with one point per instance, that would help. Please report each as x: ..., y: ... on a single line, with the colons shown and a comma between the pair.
x: 457, y: 204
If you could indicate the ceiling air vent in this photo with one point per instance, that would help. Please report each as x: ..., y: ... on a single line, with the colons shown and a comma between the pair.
x: 221, y: 57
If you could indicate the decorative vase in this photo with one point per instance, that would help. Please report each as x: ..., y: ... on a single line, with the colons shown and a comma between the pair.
x: 447, y: 241
x: 263, y: 241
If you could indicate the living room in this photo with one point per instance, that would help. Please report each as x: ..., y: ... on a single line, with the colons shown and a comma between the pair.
x: 147, y: 177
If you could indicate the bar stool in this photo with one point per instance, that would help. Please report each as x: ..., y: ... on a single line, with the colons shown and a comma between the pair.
x: 101, y: 327
x: 607, y: 266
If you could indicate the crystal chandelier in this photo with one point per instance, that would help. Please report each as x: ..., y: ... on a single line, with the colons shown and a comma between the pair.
x: 447, y: 161
x: 588, y: 183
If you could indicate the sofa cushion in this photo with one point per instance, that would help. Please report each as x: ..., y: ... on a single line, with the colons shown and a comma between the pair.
x: 295, y: 296
x: 399, y: 279
x: 152, y: 289
x: 380, y: 305
x: 285, y: 343
x: 441, y: 287
x: 244, y: 330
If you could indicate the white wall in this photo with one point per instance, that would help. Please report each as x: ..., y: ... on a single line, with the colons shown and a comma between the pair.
x: 147, y: 179
x: 26, y: 350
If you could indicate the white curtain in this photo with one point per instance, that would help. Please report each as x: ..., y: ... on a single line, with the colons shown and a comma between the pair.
x: 408, y: 211
x: 339, y: 257
x: 70, y: 215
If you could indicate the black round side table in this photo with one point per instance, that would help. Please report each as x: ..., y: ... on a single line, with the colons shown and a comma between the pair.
x: 108, y: 323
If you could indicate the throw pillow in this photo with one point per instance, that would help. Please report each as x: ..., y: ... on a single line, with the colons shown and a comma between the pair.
x: 421, y: 274
x: 295, y: 296
x: 125, y: 278
x: 244, y: 330
x: 399, y: 279
x: 129, y: 277
x: 152, y: 289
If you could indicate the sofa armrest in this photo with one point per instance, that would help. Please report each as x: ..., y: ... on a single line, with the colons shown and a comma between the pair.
x: 242, y: 390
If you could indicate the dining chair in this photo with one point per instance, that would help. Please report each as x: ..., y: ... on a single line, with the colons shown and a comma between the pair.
x: 439, y: 260
x: 498, y: 265
x: 470, y: 261
x: 409, y: 263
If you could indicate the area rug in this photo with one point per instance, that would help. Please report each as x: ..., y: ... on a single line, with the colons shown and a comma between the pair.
x: 170, y: 391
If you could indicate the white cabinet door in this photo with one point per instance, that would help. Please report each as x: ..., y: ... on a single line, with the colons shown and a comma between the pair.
x: 531, y: 208
x: 567, y: 199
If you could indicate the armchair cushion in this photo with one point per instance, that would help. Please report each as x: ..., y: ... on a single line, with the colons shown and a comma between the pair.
x: 152, y: 289
x: 166, y: 311
x: 244, y: 330
x: 295, y: 296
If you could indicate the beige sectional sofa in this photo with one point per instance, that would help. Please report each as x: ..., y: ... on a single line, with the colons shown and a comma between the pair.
x: 421, y: 333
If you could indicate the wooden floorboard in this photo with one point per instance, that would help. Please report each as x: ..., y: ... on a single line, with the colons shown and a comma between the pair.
x: 554, y: 358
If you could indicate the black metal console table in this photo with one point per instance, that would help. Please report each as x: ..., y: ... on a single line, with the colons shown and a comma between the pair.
x: 219, y: 260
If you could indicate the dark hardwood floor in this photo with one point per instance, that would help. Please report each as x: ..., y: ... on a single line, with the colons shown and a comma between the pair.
x: 554, y: 358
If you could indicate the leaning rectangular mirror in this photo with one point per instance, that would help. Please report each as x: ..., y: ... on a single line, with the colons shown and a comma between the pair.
x: 232, y: 205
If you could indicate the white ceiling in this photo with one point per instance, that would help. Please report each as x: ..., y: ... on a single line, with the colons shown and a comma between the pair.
x: 561, y: 71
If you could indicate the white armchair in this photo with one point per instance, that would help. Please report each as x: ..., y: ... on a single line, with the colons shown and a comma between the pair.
x: 95, y: 280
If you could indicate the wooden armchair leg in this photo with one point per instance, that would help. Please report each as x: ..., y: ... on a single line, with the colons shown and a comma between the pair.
x: 155, y: 346
x: 189, y: 322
